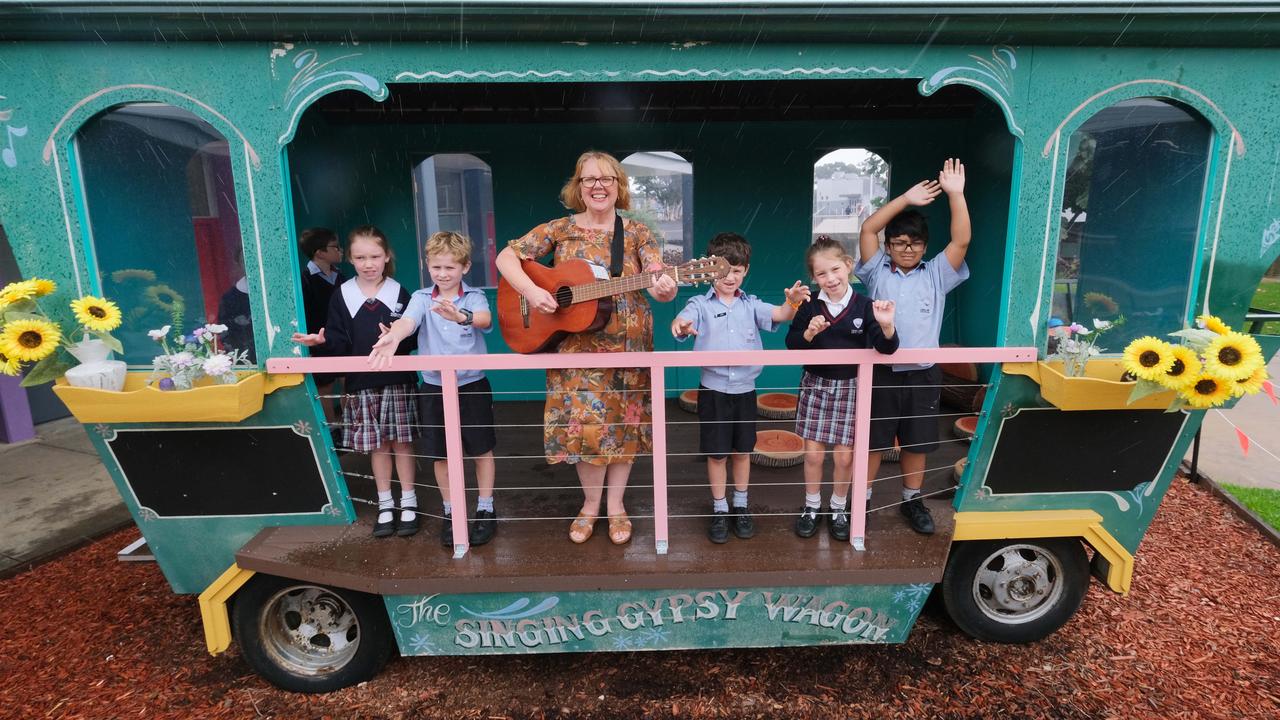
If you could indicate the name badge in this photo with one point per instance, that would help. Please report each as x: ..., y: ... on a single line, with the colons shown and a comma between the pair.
x: 720, y: 315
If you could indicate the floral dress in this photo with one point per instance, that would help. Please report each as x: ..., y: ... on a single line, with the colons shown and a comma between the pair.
x: 599, y: 416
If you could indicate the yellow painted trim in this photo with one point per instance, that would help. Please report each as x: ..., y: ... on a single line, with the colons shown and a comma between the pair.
x: 1084, y: 524
x: 140, y: 402
x: 1099, y: 389
x: 213, y: 608
x: 275, y: 381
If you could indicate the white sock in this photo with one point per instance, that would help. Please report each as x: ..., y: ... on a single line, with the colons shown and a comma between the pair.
x: 740, y: 498
x: 408, y: 505
x: 386, y: 506
x: 813, y: 500
x: 838, y: 502
x: 484, y: 503
x: 719, y: 505
x: 448, y: 508
x: 910, y: 493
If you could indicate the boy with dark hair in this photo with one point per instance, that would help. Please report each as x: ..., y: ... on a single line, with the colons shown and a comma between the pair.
x: 725, y: 318
x: 904, y: 403
x: 320, y: 277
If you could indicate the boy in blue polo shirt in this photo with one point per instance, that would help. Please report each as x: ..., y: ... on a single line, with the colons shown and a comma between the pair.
x: 906, y: 397
x: 725, y: 318
x: 451, y: 317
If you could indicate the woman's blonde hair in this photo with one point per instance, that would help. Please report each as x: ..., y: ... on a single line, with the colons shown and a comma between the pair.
x: 371, y: 232
x: 450, y: 243
x: 571, y: 193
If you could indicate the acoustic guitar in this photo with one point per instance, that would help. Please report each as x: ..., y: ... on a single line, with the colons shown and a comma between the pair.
x: 585, y: 302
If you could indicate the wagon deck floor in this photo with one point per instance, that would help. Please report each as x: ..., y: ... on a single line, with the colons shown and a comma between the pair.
x: 530, y: 555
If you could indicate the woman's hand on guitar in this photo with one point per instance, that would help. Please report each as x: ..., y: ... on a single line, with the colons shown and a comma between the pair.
x: 664, y: 288
x: 540, y: 300
x: 682, y: 327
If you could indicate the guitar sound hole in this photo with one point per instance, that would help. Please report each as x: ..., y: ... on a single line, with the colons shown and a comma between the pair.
x: 564, y: 296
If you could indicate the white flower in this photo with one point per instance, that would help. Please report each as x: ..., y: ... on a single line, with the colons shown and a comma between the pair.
x: 1101, y: 324
x: 215, y: 329
x: 158, y: 334
x: 217, y: 365
x: 182, y: 359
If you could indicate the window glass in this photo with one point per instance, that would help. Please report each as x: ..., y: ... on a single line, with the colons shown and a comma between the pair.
x: 662, y: 199
x: 848, y: 185
x: 455, y: 192
x: 1131, y: 207
x: 165, y: 229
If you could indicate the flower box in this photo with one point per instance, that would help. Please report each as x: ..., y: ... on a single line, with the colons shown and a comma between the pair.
x: 139, y: 402
x: 1099, y: 389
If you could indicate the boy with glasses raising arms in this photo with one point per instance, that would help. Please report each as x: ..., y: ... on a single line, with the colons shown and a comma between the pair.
x: 904, y: 403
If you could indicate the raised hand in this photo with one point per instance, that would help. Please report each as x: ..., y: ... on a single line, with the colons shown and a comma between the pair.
x: 797, y: 293
x: 922, y: 193
x: 447, y: 310
x: 884, y: 312
x: 816, y: 325
x: 682, y: 327
x: 309, y: 339
x: 951, y: 178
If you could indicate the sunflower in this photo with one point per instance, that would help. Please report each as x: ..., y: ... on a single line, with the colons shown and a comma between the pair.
x: 1207, y: 391
x: 1101, y: 303
x: 29, y: 340
x: 1251, y: 384
x: 96, y: 314
x: 165, y: 297
x: 1234, y: 355
x: 127, y: 274
x: 44, y: 287
x: 1149, y: 358
x: 1186, y: 368
x: 9, y: 366
x: 17, y: 291
x: 1214, y: 323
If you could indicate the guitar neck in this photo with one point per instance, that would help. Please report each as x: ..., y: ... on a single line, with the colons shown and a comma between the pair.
x: 618, y: 286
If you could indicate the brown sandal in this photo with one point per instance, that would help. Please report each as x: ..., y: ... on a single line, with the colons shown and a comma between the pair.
x: 581, y: 528
x: 619, y: 529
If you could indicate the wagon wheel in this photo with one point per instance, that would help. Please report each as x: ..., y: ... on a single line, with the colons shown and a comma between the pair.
x: 310, y: 638
x: 1015, y: 591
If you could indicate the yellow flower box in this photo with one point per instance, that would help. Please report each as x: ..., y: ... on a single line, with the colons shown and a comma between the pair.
x: 1099, y: 389
x: 139, y: 402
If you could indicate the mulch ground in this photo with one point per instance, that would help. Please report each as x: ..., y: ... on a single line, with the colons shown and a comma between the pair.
x: 85, y: 636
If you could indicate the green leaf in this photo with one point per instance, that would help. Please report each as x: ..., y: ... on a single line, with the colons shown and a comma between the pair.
x: 1144, y: 388
x: 1178, y: 403
x: 47, y: 370
x: 110, y: 340
x: 1197, y: 338
x: 11, y: 315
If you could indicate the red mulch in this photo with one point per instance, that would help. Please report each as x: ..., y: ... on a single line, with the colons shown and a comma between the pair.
x: 85, y: 636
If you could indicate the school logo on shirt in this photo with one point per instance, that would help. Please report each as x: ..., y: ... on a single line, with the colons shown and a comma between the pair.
x: 857, y: 327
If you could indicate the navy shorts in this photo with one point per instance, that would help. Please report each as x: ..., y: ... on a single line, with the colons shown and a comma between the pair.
x: 475, y: 404
x: 908, y: 403
x: 727, y: 422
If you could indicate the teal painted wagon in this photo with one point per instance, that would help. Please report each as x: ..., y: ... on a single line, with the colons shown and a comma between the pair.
x: 1122, y: 160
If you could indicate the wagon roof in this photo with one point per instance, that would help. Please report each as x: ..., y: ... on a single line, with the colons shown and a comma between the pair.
x: 1100, y: 22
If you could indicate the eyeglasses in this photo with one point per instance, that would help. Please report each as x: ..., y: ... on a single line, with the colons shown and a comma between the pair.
x: 604, y: 180
x: 333, y: 247
x: 904, y: 244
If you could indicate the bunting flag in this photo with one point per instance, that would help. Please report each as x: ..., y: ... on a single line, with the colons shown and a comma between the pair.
x: 1270, y: 390
x: 1244, y: 441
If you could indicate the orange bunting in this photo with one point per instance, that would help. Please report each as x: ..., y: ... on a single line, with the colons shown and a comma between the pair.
x: 1270, y: 390
x: 1244, y: 441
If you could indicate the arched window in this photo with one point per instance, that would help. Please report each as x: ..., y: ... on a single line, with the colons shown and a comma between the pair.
x: 848, y: 185
x: 163, y: 222
x: 455, y: 192
x: 1130, y: 219
x: 662, y: 198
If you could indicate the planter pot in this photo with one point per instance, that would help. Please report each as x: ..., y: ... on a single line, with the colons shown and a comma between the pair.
x: 96, y: 369
x: 139, y: 402
x: 1099, y: 389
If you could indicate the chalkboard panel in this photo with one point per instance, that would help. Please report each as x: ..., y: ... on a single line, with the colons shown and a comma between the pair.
x: 1050, y: 450
x: 231, y: 471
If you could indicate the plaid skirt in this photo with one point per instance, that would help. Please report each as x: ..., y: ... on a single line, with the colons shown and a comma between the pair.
x: 824, y: 411
x: 379, y: 415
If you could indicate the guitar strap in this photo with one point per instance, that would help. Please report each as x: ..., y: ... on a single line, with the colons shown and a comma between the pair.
x: 616, y: 252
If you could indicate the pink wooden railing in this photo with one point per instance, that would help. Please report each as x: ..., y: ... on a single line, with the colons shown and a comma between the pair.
x: 656, y: 362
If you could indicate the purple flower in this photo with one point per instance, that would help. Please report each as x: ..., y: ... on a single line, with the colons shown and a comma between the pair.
x: 166, y: 384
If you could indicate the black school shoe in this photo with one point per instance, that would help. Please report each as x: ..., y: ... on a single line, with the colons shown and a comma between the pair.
x: 807, y: 523
x: 838, y: 525
x: 408, y: 528
x: 719, y: 530
x: 743, y: 526
x: 446, y: 531
x: 385, y: 529
x: 483, y: 527
x: 918, y: 516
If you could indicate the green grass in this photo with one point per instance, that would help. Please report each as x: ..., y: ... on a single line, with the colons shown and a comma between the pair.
x: 1268, y: 298
x: 1263, y: 502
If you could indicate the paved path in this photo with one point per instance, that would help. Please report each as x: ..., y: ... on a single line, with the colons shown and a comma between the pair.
x: 54, y: 494
x: 1220, y: 454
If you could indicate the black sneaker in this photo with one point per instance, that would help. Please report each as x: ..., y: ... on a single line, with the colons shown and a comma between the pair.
x: 385, y: 529
x: 807, y: 523
x: 408, y: 528
x: 918, y: 516
x: 719, y: 530
x: 483, y: 527
x: 743, y: 526
x: 838, y: 525
x: 446, y: 531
